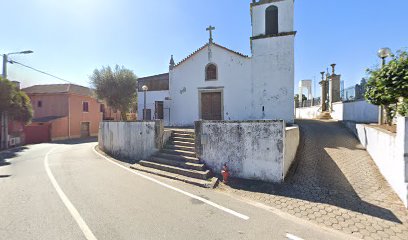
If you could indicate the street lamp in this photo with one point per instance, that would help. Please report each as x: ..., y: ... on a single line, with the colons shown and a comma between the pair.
x: 4, y: 115
x: 5, y: 60
x: 383, y: 53
x: 144, y: 88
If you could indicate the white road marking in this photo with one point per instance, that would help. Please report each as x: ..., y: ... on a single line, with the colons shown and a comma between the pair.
x: 75, y: 214
x: 293, y: 237
x: 242, y: 216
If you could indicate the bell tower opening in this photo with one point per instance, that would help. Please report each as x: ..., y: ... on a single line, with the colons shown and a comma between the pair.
x: 272, y: 20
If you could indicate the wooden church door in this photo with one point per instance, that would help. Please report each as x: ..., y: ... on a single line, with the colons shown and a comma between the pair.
x: 211, y: 108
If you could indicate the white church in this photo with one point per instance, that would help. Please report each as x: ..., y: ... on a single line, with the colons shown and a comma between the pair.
x: 217, y: 83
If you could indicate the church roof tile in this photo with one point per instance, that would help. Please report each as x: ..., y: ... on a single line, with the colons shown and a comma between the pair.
x: 206, y: 45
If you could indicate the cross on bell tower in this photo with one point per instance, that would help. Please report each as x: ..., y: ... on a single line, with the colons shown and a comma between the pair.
x: 210, y: 29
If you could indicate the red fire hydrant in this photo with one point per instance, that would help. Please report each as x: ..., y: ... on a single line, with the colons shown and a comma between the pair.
x: 225, y: 173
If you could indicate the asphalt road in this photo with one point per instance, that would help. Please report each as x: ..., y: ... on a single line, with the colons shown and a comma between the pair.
x: 68, y: 191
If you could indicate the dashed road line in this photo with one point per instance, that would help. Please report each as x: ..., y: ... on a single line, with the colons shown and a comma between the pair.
x: 293, y: 237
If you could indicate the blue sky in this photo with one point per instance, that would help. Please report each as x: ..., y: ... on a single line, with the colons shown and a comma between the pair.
x: 70, y: 38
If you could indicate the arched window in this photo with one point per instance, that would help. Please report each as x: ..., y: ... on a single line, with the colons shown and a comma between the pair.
x: 211, y: 72
x: 271, y: 20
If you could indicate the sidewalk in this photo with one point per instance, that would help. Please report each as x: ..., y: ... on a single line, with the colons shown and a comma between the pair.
x: 336, y: 184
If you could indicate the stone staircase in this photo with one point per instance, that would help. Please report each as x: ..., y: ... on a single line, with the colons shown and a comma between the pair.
x: 177, y: 160
x: 324, y: 116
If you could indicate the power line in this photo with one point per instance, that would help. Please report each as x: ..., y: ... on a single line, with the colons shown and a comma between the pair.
x: 12, y: 62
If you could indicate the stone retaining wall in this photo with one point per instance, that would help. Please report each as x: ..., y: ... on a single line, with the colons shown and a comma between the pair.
x: 133, y: 141
x: 258, y: 150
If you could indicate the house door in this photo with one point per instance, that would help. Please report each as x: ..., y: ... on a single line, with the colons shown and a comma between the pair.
x: 85, y: 130
x: 211, y: 108
x: 159, y: 110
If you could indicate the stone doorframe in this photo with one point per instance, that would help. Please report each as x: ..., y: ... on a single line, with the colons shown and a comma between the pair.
x: 210, y: 90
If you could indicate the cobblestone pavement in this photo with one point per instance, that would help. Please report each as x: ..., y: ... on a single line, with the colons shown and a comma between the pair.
x: 334, y: 182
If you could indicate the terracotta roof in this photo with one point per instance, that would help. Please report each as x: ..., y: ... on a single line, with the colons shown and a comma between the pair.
x: 206, y: 45
x: 46, y: 119
x: 59, y: 88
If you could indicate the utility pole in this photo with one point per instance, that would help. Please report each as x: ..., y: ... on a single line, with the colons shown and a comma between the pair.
x: 4, y: 114
x: 4, y: 117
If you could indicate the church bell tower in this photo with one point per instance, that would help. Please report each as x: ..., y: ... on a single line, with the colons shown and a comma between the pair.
x: 272, y: 46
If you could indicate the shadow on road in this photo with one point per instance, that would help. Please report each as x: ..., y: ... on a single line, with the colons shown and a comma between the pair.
x: 317, y: 177
x: 77, y: 141
x: 7, y: 154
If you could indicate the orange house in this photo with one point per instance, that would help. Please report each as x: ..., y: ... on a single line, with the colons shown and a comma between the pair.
x: 65, y: 111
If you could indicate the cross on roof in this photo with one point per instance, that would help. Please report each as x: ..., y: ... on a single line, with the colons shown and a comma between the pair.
x: 210, y: 29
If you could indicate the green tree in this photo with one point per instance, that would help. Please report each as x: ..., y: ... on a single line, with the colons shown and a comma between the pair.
x: 15, y: 102
x: 389, y: 84
x: 118, y: 87
x: 403, y: 108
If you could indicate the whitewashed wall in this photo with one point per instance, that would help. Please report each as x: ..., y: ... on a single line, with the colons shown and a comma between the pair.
x: 188, y: 79
x: 358, y: 111
x: 151, y: 98
x: 132, y: 141
x: 272, y: 65
x: 285, y: 16
x: 307, y: 112
x: 261, y: 87
x: 389, y: 151
x: 251, y: 149
x: 292, y: 139
x: 272, y: 78
x: 338, y: 111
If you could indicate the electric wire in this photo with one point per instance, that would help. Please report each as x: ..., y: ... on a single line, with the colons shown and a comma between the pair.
x: 37, y: 70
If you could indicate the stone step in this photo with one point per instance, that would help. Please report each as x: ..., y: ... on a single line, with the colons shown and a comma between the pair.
x: 179, y: 152
x: 203, y: 175
x: 180, y: 143
x: 177, y: 157
x: 177, y: 163
x: 182, y: 139
x: 183, y: 130
x: 182, y: 134
x: 209, y: 183
x: 325, y: 116
x: 180, y: 147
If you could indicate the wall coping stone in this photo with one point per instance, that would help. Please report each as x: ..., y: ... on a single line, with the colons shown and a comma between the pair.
x: 243, y: 121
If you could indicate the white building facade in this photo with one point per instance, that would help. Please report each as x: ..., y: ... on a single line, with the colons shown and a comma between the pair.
x: 216, y: 83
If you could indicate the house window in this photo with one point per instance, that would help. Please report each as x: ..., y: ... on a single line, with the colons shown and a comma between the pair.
x: 211, y: 72
x: 271, y: 20
x: 39, y: 104
x: 85, y: 107
x: 102, y: 108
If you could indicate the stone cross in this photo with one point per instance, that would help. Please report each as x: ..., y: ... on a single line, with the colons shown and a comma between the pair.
x: 210, y: 29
